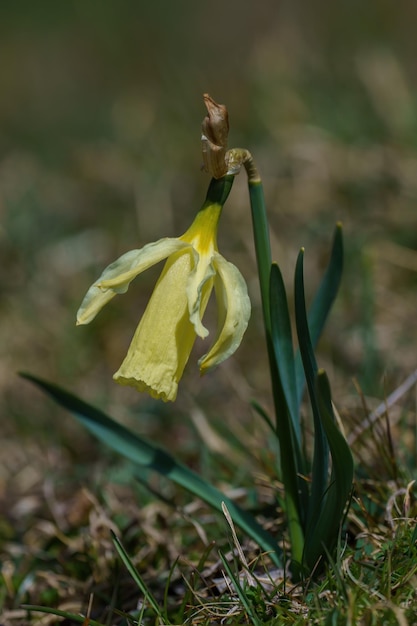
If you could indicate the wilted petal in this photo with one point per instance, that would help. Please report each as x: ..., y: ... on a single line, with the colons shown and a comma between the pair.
x: 165, y: 336
x: 234, y: 309
x: 117, y: 276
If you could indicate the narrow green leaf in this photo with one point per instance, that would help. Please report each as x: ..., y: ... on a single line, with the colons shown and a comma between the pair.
x: 322, y: 302
x: 147, y: 455
x: 328, y: 288
x: 321, y: 451
x: 283, y: 345
x: 322, y: 537
x: 136, y: 576
x: 342, y: 460
x: 288, y: 422
x: 66, y: 614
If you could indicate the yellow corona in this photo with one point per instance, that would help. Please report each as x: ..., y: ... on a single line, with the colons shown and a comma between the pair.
x: 172, y: 320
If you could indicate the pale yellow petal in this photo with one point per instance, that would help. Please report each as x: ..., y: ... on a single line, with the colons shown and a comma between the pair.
x: 119, y: 278
x: 165, y: 336
x: 94, y: 300
x: 199, y: 287
x: 233, y: 312
x: 202, y: 236
x: 118, y: 275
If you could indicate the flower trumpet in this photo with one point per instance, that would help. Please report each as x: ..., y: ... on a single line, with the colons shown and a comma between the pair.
x: 172, y: 320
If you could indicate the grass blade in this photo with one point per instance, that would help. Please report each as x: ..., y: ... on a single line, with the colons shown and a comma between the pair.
x: 146, y: 454
x: 136, y: 576
x: 72, y: 617
x: 240, y: 591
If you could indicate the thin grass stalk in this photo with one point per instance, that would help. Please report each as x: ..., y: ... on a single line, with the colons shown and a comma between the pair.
x: 247, y: 605
x: 149, y: 597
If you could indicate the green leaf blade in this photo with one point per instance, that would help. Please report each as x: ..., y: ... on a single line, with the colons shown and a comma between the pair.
x: 283, y: 345
x: 321, y: 451
x: 322, y: 302
x: 322, y: 536
x: 145, y: 454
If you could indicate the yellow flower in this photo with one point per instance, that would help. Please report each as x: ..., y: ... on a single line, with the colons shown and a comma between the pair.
x: 172, y: 320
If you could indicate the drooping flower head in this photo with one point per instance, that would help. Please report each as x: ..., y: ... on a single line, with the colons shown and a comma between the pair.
x: 172, y: 320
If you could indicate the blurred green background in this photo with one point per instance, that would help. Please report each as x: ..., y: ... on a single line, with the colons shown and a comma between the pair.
x: 100, y: 116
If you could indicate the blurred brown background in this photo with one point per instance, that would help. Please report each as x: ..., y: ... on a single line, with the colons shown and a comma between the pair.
x: 100, y: 114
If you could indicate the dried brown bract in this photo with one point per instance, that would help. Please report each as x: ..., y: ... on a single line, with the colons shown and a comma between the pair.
x: 214, y: 137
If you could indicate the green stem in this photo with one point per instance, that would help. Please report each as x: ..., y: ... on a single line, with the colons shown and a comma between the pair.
x: 283, y: 422
x: 219, y: 190
x: 262, y: 247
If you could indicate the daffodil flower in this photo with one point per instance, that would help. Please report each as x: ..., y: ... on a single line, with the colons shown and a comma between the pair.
x: 162, y: 343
